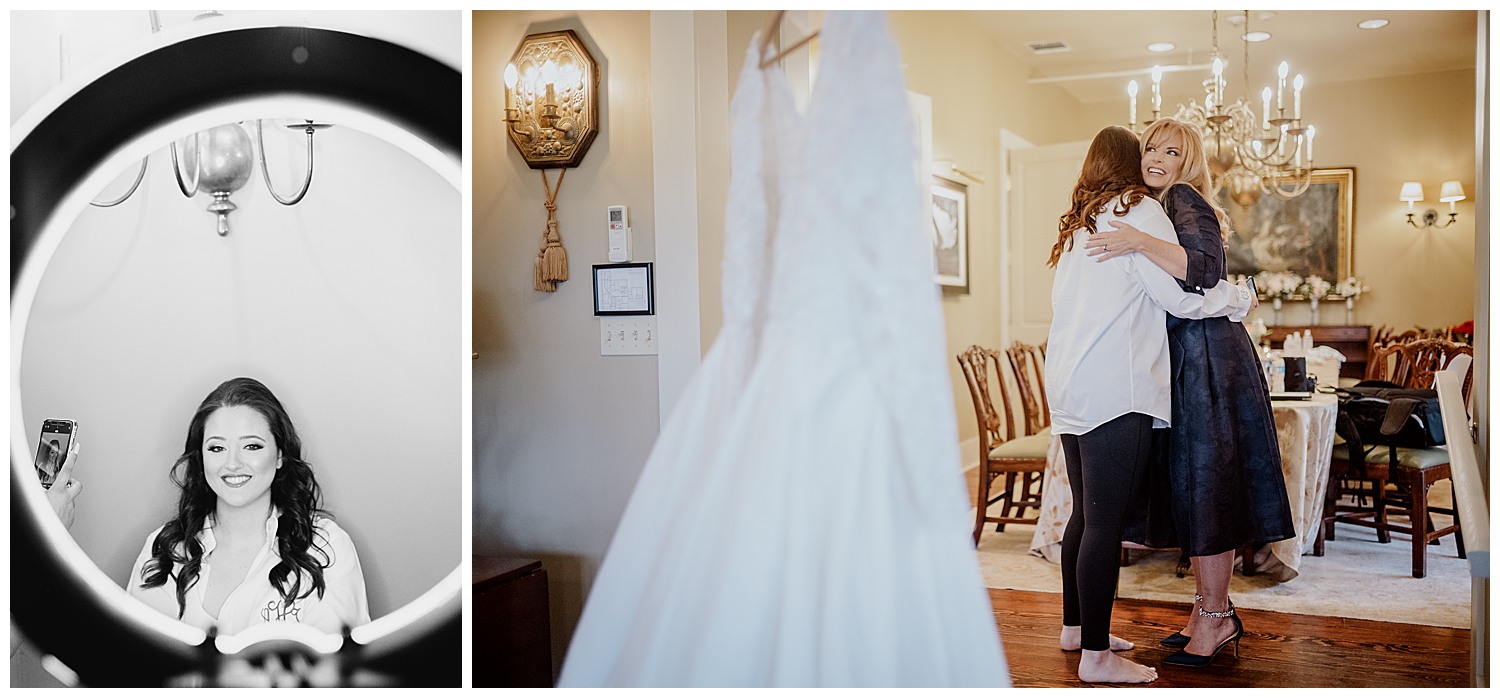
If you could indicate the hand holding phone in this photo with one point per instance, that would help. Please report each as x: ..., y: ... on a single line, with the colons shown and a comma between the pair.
x: 66, y: 489
x: 54, y: 446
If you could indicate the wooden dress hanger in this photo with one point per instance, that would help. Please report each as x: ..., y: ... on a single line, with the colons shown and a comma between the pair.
x: 771, y: 30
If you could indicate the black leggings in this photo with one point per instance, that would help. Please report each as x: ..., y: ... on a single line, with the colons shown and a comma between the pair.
x: 1105, y: 468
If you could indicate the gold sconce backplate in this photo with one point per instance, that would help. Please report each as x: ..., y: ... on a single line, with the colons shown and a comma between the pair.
x: 552, y: 109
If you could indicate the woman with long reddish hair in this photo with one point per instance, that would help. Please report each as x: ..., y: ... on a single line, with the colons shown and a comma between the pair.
x: 1109, y: 386
x: 1221, y: 460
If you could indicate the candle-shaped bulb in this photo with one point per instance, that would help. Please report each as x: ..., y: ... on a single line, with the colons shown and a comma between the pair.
x: 510, y: 85
x: 1280, y: 86
x: 1265, y: 108
x: 1131, y: 89
x: 549, y: 77
x: 1218, y: 80
x: 1156, y: 88
x: 1297, y: 97
x: 1311, y: 131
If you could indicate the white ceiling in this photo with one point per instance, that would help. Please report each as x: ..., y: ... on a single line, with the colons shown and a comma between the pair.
x: 1108, y: 49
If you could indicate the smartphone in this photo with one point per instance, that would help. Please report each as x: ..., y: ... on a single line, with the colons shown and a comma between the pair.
x: 1250, y: 281
x: 52, y: 448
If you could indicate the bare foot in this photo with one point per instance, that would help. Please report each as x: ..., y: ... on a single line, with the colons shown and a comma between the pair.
x: 1108, y: 667
x: 1071, y: 640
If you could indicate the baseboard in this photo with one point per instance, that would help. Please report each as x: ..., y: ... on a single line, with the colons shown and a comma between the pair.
x: 966, y: 447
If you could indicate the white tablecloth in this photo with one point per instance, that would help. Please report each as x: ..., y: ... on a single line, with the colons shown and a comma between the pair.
x: 1304, y: 430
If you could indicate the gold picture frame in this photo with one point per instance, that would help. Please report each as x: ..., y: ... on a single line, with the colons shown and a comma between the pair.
x: 1309, y: 235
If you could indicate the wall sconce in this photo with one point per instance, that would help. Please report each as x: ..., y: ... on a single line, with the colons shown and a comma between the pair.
x: 552, y: 99
x: 552, y: 116
x: 218, y: 162
x: 1452, y: 193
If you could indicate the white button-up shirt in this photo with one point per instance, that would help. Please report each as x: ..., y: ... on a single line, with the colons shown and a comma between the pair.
x: 1107, y: 349
x: 256, y: 600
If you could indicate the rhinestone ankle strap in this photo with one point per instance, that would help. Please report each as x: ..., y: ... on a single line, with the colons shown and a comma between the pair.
x: 1217, y: 614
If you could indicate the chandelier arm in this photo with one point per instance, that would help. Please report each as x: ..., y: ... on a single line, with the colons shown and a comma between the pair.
x: 1269, y: 159
x: 265, y: 172
x: 187, y: 191
x: 1272, y: 185
x: 138, y: 177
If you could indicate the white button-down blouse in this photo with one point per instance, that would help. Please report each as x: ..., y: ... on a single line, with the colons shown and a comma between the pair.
x: 1107, y: 349
x: 256, y: 600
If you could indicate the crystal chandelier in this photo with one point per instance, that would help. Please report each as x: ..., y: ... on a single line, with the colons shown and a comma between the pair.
x: 1251, y: 155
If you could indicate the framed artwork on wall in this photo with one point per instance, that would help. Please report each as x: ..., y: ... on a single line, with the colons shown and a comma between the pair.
x: 950, y: 232
x: 623, y: 289
x: 1310, y: 235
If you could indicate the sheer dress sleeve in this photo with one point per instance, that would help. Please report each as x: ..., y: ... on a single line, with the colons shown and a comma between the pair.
x: 1199, y: 234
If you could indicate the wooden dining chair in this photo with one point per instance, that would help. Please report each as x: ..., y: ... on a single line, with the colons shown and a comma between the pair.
x: 1003, y: 454
x: 1401, y: 488
x: 1027, y: 364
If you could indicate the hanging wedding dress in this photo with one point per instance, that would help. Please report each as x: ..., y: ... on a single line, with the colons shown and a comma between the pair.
x: 802, y: 519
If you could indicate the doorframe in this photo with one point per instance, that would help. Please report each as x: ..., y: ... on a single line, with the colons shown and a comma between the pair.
x: 1010, y: 142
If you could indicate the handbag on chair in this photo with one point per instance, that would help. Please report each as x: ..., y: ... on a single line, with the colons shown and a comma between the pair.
x: 1383, y: 413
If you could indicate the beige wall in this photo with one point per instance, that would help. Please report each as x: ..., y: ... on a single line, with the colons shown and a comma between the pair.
x: 560, y: 432
x: 1415, y: 127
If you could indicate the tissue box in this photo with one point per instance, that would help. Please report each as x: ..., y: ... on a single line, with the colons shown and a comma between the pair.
x: 1325, y: 370
x: 1323, y: 363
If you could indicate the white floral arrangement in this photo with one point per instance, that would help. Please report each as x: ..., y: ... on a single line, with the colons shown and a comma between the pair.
x: 1350, y: 287
x: 1315, y: 287
x: 1278, y: 284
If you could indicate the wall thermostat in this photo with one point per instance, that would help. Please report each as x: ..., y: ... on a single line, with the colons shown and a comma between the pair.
x: 619, y: 234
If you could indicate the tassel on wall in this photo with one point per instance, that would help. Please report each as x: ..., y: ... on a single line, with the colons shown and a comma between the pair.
x: 551, y: 260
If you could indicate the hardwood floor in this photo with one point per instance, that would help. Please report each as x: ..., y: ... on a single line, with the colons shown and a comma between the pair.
x: 1279, y: 650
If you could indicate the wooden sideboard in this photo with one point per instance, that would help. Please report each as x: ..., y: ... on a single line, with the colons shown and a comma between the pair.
x: 512, y: 624
x: 1353, y: 341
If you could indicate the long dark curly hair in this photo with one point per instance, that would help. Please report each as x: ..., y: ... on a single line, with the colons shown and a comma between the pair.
x: 294, y: 490
x: 1111, y: 169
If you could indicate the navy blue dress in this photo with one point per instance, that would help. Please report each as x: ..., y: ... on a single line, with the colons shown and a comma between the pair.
x: 1215, y: 480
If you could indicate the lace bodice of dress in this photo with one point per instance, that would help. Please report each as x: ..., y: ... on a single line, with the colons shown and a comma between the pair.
x: 852, y: 260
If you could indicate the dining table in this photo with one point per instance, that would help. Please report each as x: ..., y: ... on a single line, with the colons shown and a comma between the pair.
x: 1305, y: 434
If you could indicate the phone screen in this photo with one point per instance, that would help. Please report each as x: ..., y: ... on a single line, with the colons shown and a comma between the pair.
x: 1250, y: 282
x: 52, y: 449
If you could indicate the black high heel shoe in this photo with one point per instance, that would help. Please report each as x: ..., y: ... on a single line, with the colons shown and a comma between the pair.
x: 1185, y: 658
x: 1178, y: 641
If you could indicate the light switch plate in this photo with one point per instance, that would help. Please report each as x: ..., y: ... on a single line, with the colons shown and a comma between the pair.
x: 627, y: 335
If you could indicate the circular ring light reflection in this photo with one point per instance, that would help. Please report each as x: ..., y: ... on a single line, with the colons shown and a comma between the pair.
x: 57, y: 164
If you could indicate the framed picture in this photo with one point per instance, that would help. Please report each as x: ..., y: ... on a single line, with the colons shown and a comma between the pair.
x: 1310, y: 235
x: 950, y: 232
x: 623, y: 289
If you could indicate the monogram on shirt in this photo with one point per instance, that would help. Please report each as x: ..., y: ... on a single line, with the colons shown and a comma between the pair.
x: 280, y: 610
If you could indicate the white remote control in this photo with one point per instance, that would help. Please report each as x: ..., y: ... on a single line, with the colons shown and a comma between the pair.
x: 619, y: 234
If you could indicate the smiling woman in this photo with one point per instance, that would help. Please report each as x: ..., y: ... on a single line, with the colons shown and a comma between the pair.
x: 249, y: 509
x: 122, y: 316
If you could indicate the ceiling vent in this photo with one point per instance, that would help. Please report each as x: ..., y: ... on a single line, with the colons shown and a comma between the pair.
x: 1039, y: 48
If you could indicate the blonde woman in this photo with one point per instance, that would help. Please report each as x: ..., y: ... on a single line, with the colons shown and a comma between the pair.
x: 1221, y: 456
